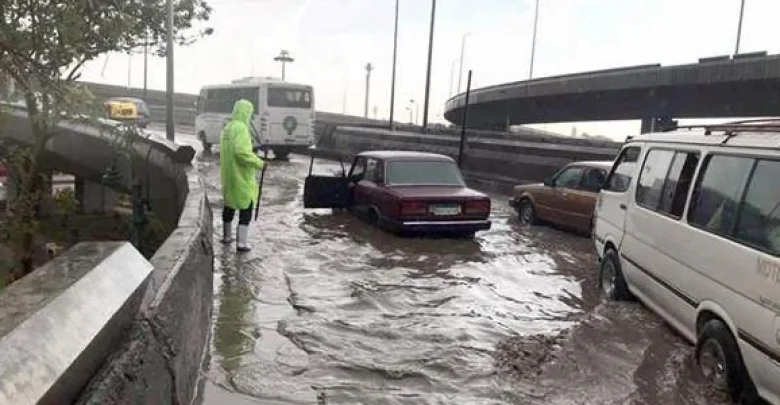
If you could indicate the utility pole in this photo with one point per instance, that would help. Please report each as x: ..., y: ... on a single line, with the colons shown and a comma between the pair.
x: 462, y: 51
x: 395, y: 56
x: 376, y: 112
x: 170, y: 129
x: 369, y: 68
x: 739, y: 27
x: 428, y: 76
x: 284, y: 58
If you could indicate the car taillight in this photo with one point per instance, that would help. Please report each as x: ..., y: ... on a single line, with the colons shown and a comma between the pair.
x: 414, y: 208
x: 477, y: 207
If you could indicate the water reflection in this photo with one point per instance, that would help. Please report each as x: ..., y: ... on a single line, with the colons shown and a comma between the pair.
x: 233, y: 326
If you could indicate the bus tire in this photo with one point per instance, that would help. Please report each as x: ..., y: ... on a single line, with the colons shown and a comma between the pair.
x: 206, y: 145
x: 282, y: 154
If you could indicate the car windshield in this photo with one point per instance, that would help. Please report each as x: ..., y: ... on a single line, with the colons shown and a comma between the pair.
x: 424, y: 173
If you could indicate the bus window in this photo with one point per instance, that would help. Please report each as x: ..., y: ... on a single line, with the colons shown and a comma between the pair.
x: 287, y: 97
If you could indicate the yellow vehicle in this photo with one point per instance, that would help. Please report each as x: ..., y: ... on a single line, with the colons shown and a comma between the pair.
x: 124, y: 111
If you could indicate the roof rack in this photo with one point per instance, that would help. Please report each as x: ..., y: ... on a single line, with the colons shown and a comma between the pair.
x: 733, y: 127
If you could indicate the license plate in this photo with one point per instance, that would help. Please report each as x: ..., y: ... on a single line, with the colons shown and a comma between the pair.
x: 445, y: 210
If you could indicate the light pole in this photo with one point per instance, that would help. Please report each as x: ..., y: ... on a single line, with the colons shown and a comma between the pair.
x: 452, y: 76
x: 369, y: 68
x: 428, y: 76
x: 395, y: 55
x: 533, y: 42
x: 170, y: 129
x: 462, y: 51
x: 146, y: 63
x: 410, y: 114
x: 739, y: 26
x: 416, y: 111
x: 284, y: 58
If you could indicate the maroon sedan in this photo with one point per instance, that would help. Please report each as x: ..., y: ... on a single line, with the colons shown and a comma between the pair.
x: 403, y: 192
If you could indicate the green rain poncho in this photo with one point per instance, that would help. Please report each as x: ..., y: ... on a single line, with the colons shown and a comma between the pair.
x: 238, y: 164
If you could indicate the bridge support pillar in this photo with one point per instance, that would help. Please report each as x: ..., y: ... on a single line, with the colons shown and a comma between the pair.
x: 94, y: 198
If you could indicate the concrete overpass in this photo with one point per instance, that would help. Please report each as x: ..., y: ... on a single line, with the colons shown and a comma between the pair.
x: 747, y: 85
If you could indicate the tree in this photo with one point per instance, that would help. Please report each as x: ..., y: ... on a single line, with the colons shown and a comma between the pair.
x: 45, y: 43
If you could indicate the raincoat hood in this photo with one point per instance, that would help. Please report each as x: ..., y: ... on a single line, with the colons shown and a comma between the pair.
x: 242, y: 111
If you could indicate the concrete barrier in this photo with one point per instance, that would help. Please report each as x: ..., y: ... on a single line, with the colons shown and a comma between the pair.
x: 157, y: 337
x: 492, y: 160
x: 59, y: 323
x: 160, y: 360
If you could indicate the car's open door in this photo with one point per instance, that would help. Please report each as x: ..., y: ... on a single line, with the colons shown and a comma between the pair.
x: 324, y: 191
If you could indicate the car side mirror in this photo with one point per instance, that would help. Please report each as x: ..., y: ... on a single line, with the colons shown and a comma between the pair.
x: 549, y: 182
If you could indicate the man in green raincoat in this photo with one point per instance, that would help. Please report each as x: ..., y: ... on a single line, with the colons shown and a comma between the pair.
x: 239, y: 169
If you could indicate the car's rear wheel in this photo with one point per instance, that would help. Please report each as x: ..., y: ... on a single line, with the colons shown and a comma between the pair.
x: 611, y: 281
x: 720, y: 363
x: 526, y: 212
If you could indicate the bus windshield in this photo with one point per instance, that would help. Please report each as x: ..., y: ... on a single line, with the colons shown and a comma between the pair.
x: 288, y: 97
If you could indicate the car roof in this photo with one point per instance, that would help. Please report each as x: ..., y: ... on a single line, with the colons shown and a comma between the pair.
x: 405, y: 155
x: 602, y: 164
x: 127, y: 99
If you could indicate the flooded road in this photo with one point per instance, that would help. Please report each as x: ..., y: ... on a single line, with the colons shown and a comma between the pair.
x: 328, y: 310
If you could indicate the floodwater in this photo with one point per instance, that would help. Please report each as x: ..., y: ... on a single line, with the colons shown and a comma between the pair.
x: 328, y: 310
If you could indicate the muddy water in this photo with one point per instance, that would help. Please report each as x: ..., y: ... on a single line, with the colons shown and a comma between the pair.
x: 327, y: 310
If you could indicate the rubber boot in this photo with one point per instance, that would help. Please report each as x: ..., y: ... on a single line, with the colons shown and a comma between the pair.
x: 242, y: 243
x: 227, y: 232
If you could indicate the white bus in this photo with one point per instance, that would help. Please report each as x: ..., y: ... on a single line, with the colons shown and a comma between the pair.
x: 284, y: 113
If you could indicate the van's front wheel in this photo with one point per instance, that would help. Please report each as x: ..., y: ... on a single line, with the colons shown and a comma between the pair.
x: 720, y: 363
x: 611, y: 281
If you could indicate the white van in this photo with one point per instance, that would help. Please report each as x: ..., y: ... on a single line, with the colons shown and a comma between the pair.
x: 689, y: 222
x: 284, y: 113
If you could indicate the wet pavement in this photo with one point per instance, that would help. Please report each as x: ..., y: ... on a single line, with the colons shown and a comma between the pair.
x: 328, y: 310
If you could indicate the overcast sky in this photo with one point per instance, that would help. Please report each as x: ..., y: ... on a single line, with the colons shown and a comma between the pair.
x: 332, y: 40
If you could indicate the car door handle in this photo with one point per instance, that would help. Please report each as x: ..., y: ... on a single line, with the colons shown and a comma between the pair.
x: 623, y: 207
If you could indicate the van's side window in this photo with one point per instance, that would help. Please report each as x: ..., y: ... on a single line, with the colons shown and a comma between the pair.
x: 652, y: 177
x: 678, y: 183
x: 620, y: 178
x: 759, y: 215
x: 718, y: 193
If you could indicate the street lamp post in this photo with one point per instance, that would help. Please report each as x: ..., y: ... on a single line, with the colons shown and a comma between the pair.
x: 428, y: 76
x: 739, y: 27
x: 452, y: 76
x: 533, y: 42
x: 284, y: 58
x: 369, y: 68
x: 170, y: 129
x: 462, y: 51
x: 395, y: 56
